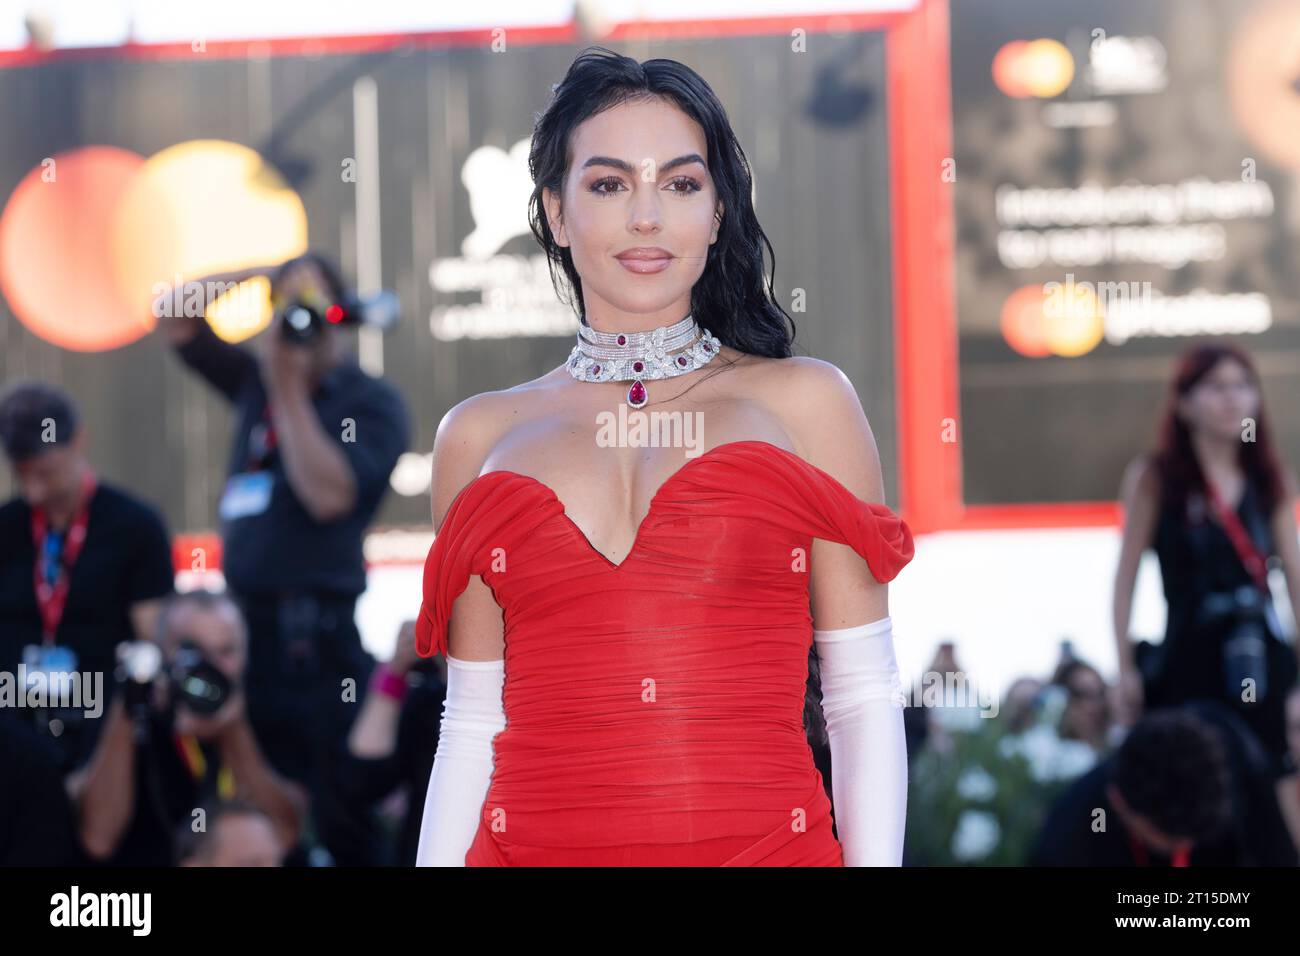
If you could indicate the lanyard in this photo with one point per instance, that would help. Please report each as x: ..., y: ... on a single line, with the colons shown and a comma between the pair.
x: 1246, y: 550
x: 261, y: 441
x: 191, y: 754
x: 1181, y: 855
x: 52, y: 595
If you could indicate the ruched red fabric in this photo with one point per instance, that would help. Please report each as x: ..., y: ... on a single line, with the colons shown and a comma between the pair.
x: 654, y: 708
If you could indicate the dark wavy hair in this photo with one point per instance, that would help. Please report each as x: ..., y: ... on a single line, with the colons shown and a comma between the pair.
x: 1172, y: 769
x: 1175, y: 458
x: 730, y: 298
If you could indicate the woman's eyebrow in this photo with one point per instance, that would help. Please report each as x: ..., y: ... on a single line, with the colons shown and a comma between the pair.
x: 629, y: 168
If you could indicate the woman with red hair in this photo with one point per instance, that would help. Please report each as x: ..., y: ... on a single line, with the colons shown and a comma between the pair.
x: 1219, y: 509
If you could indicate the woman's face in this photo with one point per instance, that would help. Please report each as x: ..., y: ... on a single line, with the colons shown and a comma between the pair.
x: 1086, y: 712
x: 638, y: 179
x: 1219, y: 402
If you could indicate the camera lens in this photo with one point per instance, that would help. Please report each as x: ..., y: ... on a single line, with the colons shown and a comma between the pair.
x: 298, y: 318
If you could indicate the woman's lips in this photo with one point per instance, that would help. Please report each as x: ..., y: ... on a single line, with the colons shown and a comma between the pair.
x: 645, y: 266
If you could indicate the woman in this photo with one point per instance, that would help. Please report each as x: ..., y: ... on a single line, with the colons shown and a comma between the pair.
x: 1216, y: 505
x: 638, y: 619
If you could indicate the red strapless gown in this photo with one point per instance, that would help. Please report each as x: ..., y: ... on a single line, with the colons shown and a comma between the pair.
x: 654, y: 708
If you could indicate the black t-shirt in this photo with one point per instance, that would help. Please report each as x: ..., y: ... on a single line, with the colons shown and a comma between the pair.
x: 37, y: 823
x: 169, y: 786
x: 283, y: 547
x: 126, y: 558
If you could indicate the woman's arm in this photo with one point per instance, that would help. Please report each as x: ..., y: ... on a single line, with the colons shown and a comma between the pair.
x: 831, y: 431
x: 472, y: 716
x: 103, y: 790
x: 1139, y: 501
x: 861, y: 693
x: 1138, y: 498
x: 474, y: 711
x: 863, y: 701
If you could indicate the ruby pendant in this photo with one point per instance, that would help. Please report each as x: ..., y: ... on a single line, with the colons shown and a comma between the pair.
x: 636, y: 395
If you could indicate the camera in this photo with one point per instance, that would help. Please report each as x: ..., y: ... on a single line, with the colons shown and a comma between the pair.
x: 196, y: 682
x: 304, y: 319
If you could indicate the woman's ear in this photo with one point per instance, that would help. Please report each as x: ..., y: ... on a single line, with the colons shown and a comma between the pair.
x: 717, y: 223
x: 554, y: 216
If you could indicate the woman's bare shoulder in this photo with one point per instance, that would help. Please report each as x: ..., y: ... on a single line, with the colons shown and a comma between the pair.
x: 479, y: 420
x: 1141, y: 478
x: 821, y: 411
x: 466, y: 435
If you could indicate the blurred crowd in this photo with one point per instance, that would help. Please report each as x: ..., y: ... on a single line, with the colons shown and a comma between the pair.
x: 1051, y: 773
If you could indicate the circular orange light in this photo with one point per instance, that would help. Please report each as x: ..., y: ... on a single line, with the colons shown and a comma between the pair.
x: 1076, y: 325
x: 54, y: 231
x: 1007, y: 75
x: 1041, y: 68
x: 1048, y: 67
x: 202, y: 207
x: 91, y: 236
x: 1023, y: 322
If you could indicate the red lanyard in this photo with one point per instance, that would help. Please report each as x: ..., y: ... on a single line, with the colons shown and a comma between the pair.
x: 1250, y: 557
x: 51, y: 599
x: 1181, y: 856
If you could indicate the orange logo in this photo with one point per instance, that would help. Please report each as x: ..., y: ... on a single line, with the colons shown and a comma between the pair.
x: 89, y: 236
x: 1053, y: 319
x: 1042, y: 68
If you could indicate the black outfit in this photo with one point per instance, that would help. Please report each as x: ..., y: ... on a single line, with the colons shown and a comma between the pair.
x: 285, y: 548
x: 295, y: 578
x: 37, y: 823
x: 1256, y: 836
x: 359, y: 784
x: 167, y: 791
x: 126, y: 558
x: 1202, y: 574
x: 37, y: 819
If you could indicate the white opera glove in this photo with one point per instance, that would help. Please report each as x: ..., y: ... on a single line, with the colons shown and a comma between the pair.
x: 863, y: 701
x: 472, y: 714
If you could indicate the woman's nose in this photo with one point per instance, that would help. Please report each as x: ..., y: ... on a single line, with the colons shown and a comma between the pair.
x: 645, y: 209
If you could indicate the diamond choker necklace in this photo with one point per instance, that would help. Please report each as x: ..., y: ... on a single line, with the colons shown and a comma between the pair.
x: 664, y: 352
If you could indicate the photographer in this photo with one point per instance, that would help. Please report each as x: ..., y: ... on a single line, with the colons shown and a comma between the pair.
x: 177, y: 736
x: 83, y: 565
x: 315, y: 443
x: 1188, y: 786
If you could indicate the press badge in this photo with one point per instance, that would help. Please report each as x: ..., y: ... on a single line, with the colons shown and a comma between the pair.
x: 49, y: 660
x: 246, y: 494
